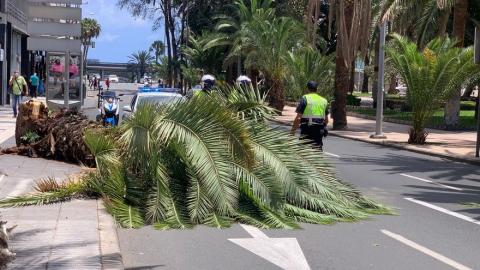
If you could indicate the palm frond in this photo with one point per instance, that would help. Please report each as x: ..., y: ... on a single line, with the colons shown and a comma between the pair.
x: 126, y: 215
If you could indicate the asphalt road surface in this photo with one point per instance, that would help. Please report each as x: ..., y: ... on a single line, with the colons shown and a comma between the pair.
x: 434, y: 228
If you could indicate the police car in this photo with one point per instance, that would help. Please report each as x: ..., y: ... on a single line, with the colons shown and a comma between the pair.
x: 151, y: 95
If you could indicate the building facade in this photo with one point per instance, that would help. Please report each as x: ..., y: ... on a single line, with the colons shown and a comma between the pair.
x: 13, y: 42
x: 30, y: 30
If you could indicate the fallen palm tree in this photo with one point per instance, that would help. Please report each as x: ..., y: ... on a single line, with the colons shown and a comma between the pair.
x: 211, y: 160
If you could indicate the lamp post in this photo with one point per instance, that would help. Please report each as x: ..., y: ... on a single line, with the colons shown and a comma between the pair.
x: 381, y: 84
x: 477, y: 61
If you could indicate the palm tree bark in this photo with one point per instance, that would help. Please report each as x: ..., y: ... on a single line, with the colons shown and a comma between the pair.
x: 342, y: 71
x: 365, y: 76
x: 277, y: 94
x: 452, y: 107
x: 443, y: 22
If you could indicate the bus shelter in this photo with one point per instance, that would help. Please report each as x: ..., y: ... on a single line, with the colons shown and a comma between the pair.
x: 63, y: 85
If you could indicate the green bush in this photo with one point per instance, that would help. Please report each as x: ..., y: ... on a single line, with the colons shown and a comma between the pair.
x: 353, y: 100
x: 467, y: 106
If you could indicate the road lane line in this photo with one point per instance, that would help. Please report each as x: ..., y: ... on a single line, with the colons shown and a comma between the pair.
x: 430, y: 181
x: 426, y: 251
x: 1, y: 177
x: 445, y: 211
x: 332, y: 155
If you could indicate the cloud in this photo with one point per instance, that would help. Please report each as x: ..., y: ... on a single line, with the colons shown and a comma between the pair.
x: 107, y: 37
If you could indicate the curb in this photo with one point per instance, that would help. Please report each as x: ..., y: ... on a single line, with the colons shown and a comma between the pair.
x: 111, y: 257
x: 399, y: 146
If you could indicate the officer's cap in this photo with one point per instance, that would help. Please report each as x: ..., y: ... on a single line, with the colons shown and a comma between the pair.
x: 312, y: 85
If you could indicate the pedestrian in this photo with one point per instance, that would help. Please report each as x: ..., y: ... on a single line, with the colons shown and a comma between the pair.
x: 107, y: 83
x: 95, y: 83
x: 312, y: 117
x: 18, y: 87
x: 41, y: 88
x: 90, y: 82
x: 34, y: 81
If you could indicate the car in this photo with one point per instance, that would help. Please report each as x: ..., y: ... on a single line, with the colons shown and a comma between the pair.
x: 113, y: 78
x: 156, y: 97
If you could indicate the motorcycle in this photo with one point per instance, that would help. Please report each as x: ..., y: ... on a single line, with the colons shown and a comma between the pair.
x: 109, y: 109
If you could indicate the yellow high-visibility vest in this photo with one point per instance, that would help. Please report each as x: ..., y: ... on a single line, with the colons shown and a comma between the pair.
x: 316, y: 106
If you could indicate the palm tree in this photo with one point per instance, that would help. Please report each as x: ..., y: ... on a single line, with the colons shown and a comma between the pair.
x: 309, y: 64
x: 200, y: 54
x: 158, y: 49
x: 90, y: 30
x: 431, y: 75
x: 267, y: 45
x: 210, y: 160
x: 140, y: 62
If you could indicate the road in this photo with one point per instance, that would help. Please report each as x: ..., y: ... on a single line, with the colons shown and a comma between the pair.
x: 433, y: 228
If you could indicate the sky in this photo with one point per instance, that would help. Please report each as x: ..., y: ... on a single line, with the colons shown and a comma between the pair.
x: 121, y: 33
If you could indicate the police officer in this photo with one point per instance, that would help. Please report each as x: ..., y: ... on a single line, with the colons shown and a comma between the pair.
x: 312, y: 116
x: 207, y: 82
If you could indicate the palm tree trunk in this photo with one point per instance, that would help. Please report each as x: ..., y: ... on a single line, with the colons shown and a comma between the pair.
x: 452, y: 107
x: 443, y: 22
x: 171, y: 28
x: 169, y: 49
x: 277, y: 94
x: 365, y: 76
x: 342, y: 72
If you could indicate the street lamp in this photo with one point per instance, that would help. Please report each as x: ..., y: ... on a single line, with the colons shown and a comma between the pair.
x: 381, y: 84
x: 477, y: 61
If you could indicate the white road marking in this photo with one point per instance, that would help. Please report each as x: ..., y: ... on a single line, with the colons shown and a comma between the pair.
x: 426, y: 251
x: 332, y: 155
x: 1, y: 177
x: 286, y: 253
x: 430, y: 182
x: 445, y: 211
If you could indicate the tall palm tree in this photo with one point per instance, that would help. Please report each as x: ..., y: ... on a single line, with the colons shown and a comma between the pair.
x: 90, y: 29
x: 140, y: 63
x: 158, y: 49
x: 431, y: 75
x: 210, y: 160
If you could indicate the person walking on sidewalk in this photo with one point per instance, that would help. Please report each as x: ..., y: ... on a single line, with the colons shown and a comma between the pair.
x: 107, y: 83
x: 312, y: 117
x: 34, y: 81
x: 18, y: 85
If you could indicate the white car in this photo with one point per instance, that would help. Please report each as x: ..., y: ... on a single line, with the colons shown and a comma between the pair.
x: 153, y: 97
x: 113, y: 78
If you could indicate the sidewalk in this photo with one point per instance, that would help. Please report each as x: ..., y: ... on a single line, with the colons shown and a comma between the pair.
x: 447, y: 144
x: 73, y: 235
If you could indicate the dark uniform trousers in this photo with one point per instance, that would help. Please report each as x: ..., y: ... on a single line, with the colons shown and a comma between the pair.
x: 313, y: 133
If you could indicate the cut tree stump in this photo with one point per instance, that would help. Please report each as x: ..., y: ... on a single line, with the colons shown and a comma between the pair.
x: 60, y: 134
